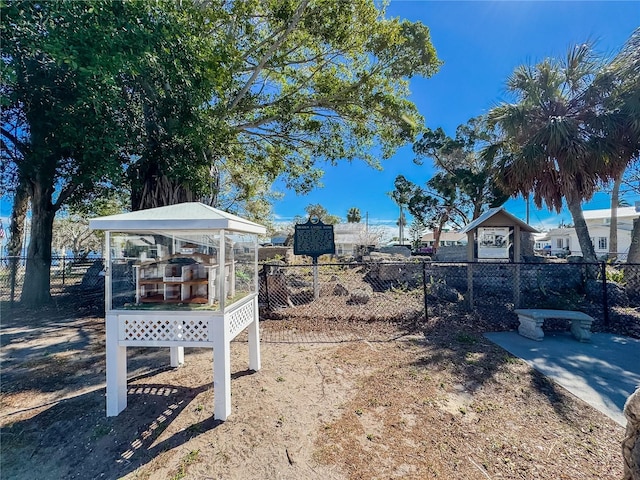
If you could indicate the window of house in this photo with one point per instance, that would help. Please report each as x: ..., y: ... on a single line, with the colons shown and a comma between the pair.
x: 603, y: 243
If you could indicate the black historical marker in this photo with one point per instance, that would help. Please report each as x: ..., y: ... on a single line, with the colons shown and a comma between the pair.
x: 313, y: 238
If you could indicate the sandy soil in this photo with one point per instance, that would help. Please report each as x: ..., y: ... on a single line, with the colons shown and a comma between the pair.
x: 333, y: 400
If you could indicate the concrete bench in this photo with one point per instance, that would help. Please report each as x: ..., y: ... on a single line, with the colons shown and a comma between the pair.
x: 531, y: 321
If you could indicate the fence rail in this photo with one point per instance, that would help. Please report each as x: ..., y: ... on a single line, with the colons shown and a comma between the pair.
x: 413, y: 290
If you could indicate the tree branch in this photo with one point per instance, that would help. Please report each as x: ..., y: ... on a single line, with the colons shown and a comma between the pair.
x: 294, y: 22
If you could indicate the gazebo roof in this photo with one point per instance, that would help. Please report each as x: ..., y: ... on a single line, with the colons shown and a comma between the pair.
x: 183, y: 216
x: 478, y: 222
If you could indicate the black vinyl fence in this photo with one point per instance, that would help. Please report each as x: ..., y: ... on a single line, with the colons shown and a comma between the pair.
x: 414, y: 290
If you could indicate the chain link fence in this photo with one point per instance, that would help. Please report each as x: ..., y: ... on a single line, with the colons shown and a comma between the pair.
x: 411, y: 291
x: 79, y: 273
x: 417, y: 290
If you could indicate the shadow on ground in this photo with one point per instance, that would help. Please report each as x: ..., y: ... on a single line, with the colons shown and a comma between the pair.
x: 95, y: 443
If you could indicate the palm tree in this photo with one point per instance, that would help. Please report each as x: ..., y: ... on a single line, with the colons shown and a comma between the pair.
x: 556, y: 141
x: 402, y: 196
x: 353, y: 215
x: 622, y: 80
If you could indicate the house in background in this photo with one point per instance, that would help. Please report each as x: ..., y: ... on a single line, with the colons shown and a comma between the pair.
x: 279, y: 239
x: 351, y: 238
x: 565, y: 240
x: 541, y: 242
x: 447, y: 239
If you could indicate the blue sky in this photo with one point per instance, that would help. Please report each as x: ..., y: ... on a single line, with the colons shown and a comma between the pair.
x: 481, y: 43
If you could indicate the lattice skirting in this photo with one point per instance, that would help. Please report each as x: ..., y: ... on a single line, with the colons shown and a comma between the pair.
x: 192, y: 330
x: 240, y: 318
x: 164, y: 329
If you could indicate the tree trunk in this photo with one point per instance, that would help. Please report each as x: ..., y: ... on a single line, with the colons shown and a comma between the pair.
x: 613, y: 226
x: 582, y: 231
x: 37, y: 281
x: 151, y: 188
x: 436, y: 239
x: 437, y: 233
x: 16, y: 233
x: 401, y: 225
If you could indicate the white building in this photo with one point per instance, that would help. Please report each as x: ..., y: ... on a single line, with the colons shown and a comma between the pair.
x: 350, y: 237
x: 565, y: 240
x: 447, y: 239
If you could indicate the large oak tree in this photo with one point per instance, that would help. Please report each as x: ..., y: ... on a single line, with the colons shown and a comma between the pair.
x: 198, y: 99
x: 62, y: 113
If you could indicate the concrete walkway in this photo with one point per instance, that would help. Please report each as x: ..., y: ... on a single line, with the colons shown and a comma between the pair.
x: 602, y: 373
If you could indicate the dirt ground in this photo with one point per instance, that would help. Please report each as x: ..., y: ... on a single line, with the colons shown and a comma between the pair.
x: 333, y: 400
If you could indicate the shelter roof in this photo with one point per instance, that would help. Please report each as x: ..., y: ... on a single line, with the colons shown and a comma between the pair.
x: 500, y: 212
x: 190, y: 216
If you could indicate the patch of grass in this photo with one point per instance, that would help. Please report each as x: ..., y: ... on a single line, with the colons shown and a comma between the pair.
x: 466, y: 338
x: 510, y: 359
x: 187, y: 460
x: 100, y: 431
x: 484, y: 407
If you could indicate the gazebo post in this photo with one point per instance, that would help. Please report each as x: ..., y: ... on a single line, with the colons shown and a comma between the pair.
x: 177, y: 356
x: 222, y: 374
x: 254, y: 339
x: 116, y: 369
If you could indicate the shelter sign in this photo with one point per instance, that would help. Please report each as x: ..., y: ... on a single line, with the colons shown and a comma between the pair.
x: 493, y: 242
x: 313, y: 238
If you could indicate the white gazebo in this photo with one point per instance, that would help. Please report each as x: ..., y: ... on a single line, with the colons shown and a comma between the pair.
x: 179, y: 276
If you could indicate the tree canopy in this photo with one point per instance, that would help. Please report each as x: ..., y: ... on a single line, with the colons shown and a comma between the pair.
x: 198, y: 100
x: 353, y: 215
x: 62, y: 110
x: 297, y: 82
x: 464, y: 175
x: 318, y: 211
x: 463, y: 186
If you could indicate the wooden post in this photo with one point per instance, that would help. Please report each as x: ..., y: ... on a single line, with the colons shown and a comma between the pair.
x: 107, y: 271
x: 471, y: 238
x: 222, y: 271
